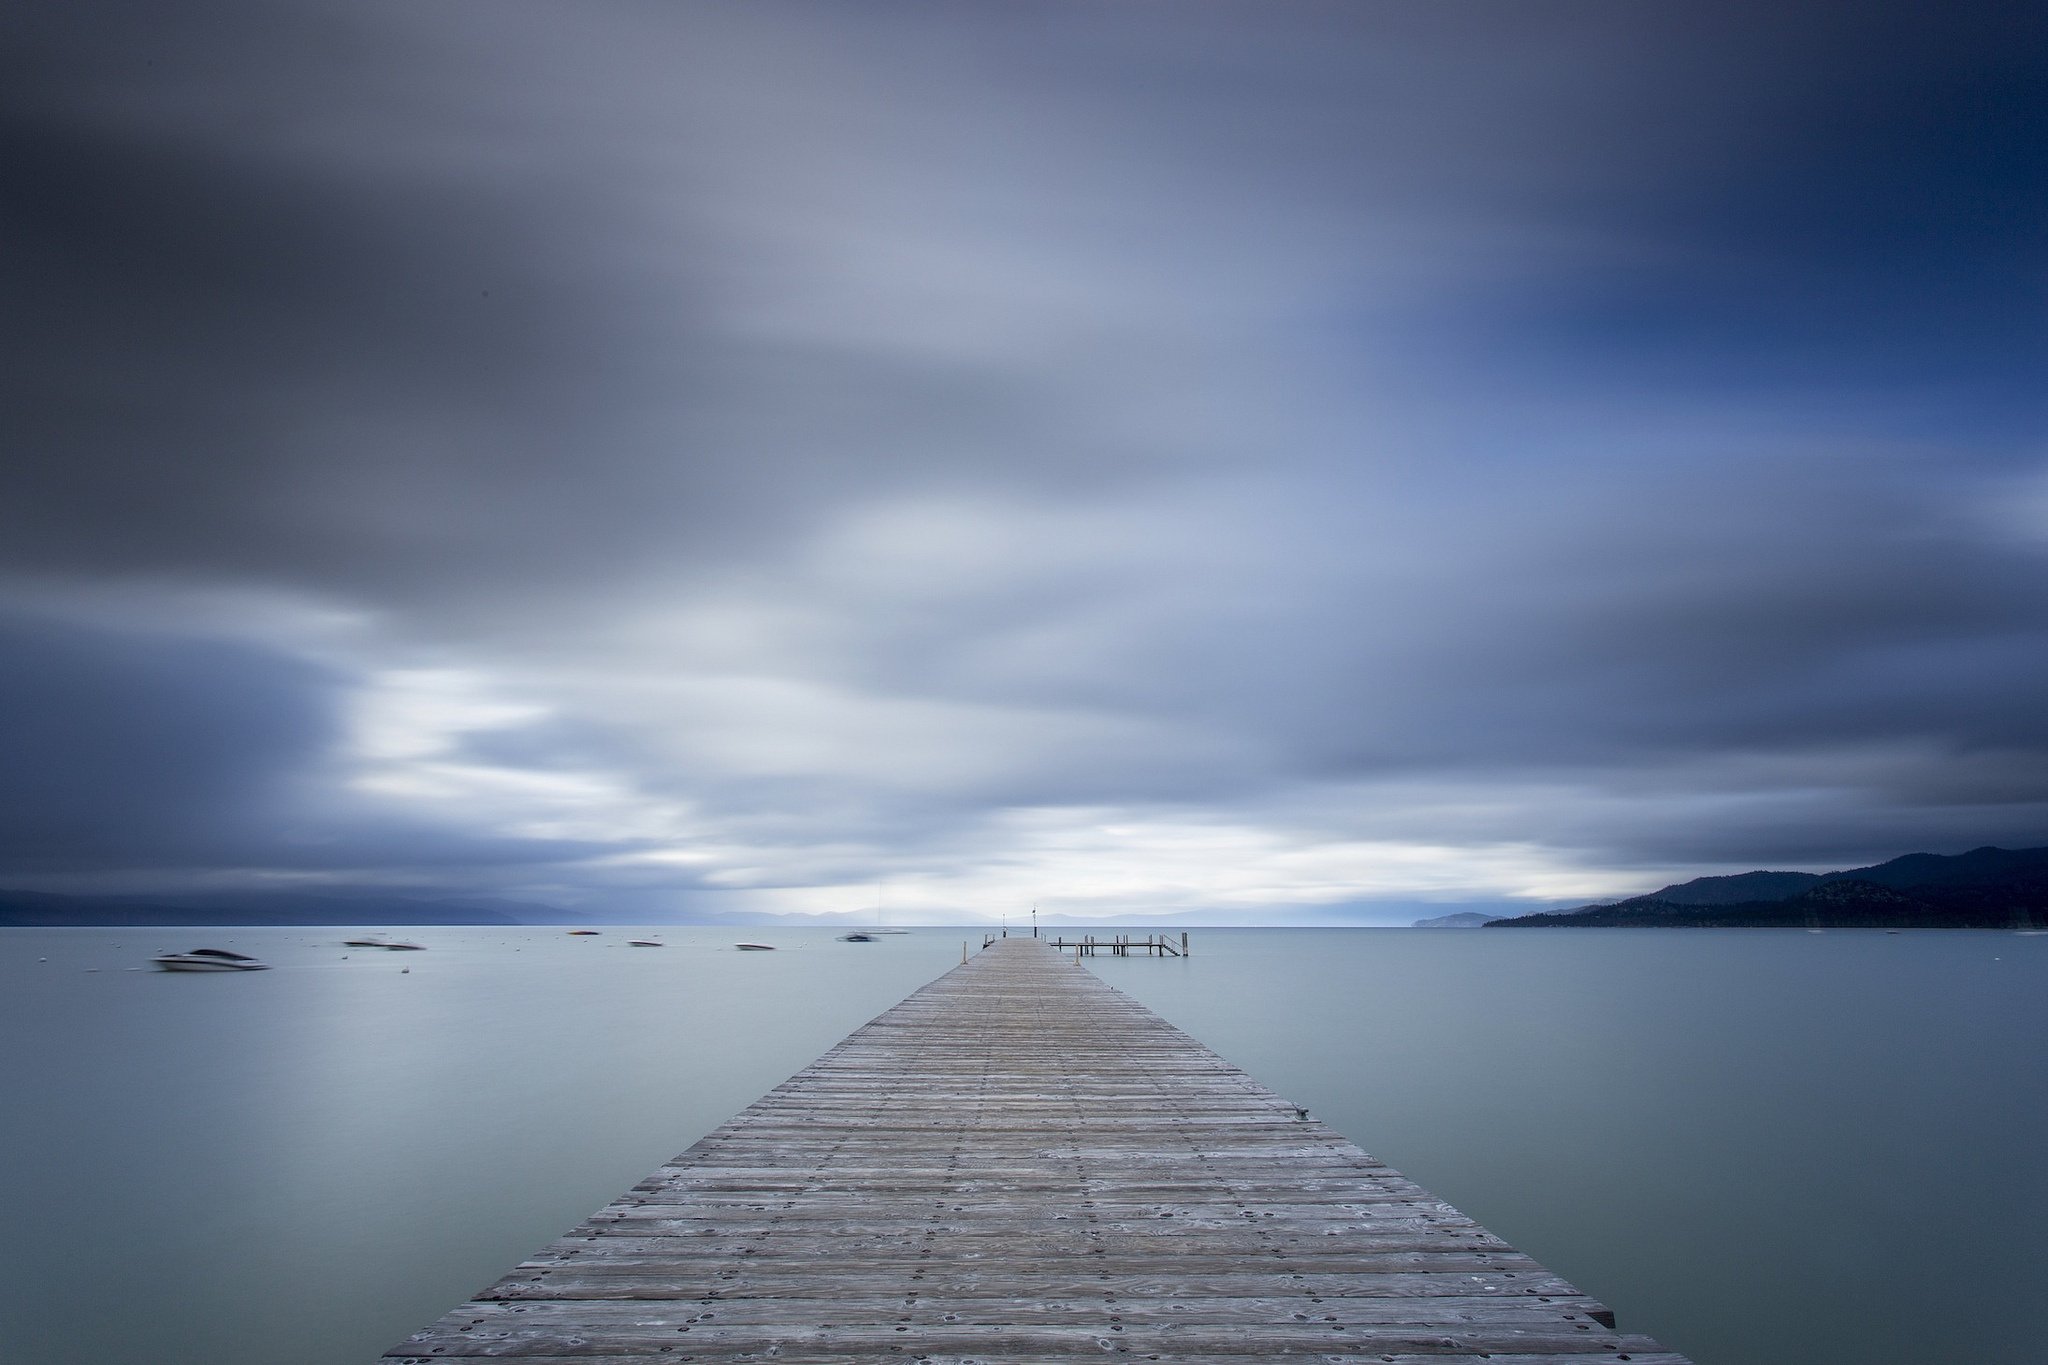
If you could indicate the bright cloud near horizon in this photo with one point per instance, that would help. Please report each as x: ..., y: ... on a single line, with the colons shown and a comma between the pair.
x: 1147, y: 458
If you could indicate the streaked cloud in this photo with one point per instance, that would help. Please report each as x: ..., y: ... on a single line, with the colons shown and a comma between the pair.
x: 1129, y: 457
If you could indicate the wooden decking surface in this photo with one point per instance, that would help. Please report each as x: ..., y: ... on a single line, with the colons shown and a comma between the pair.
x: 1020, y: 1163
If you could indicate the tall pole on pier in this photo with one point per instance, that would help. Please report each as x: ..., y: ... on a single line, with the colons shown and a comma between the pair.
x: 1034, y: 919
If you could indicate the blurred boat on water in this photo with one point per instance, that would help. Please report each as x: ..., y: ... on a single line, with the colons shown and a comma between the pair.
x: 209, y: 960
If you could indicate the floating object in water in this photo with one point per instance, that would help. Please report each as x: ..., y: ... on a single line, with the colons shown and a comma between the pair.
x: 584, y: 933
x: 645, y: 943
x: 856, y: 938
x: 209, y: 960
x: 755, y: 947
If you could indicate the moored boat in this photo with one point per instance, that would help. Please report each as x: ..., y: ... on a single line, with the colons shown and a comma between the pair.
x: 755, y: 947
x: 645, y: 943
x: 209, y: 960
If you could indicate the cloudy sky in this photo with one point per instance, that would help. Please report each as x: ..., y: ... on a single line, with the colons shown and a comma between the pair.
x: 1265, y: 457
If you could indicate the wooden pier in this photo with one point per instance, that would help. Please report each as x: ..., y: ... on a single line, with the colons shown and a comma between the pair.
x: 1018, y: 1163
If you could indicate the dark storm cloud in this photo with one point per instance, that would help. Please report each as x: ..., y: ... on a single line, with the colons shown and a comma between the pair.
x: 125, y: 749
x: 234, y: 361
x: 315, y: 296
x: 813, y: 439
x: 158, y: 748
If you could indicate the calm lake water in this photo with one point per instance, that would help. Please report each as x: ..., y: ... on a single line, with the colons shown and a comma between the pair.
x: 1766, y: 1148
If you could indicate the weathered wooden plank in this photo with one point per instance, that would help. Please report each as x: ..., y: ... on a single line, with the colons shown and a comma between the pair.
x: 992, y: 1256
x: 602, y: 1279
x: 784, y: 1356
x: 1019, y: 1163
x: 1168, y: 1357
x: 878, y: 1213
x: 864, y: 1302
x: 1000, y: 1341
x: 1364, y: 1269
x: 1186, y: 1247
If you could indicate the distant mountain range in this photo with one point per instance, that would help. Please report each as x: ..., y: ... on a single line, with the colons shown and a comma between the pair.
x: 1463, y: 919
x: 1986, y: 888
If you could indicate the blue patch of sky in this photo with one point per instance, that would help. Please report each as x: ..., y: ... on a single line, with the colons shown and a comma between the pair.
x: 1890, y: 246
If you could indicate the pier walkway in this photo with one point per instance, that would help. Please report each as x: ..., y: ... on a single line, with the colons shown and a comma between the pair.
x: 1019, y: 1163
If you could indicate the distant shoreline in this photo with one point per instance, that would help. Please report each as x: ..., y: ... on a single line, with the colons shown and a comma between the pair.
x: 1986, y: 888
